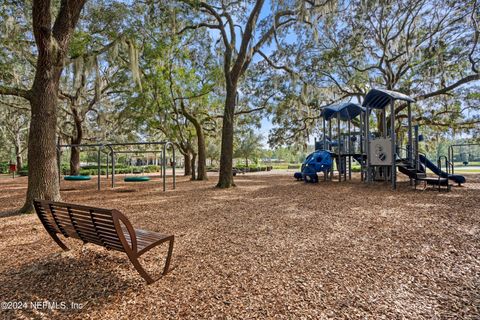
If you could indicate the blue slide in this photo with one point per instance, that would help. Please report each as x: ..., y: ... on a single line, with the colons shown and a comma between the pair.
x: 318, y: 161
x: 430, y: 165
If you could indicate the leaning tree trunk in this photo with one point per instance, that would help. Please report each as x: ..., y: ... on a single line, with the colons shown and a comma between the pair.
x: 187, y: 165
x: 225, y: 179
x: 52, y: 40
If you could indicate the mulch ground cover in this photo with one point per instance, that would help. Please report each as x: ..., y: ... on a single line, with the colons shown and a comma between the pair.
x: 270, y: 248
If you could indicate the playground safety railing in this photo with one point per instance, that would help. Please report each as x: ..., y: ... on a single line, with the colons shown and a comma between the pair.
x: 448, y: 167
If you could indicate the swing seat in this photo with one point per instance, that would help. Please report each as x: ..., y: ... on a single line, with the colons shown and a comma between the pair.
x: 77, y: 178
x: 136, y: 179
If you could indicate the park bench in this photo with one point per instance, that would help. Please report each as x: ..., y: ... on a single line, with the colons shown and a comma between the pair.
x: 104, y: 227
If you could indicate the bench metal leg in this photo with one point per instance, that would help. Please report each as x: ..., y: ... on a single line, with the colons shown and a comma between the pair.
x: 58, y: 241
x: 169, y: 256
x: 141, y: 270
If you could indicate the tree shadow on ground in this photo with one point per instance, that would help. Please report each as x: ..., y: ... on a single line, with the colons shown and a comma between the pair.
x: 64, y: 284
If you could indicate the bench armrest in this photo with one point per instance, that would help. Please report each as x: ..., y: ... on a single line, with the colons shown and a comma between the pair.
x: 118, y: 219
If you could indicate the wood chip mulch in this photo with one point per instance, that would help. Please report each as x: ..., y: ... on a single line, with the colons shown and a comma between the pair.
x: 269, y: 248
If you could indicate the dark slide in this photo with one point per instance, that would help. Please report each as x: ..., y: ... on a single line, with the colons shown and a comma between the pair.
x: 430, y: 165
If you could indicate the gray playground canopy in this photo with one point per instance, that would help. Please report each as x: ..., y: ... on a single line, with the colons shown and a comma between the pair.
x: 346, y: 111
x: 380, y: 98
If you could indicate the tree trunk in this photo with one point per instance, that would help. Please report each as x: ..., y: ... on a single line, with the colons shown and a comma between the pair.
x: 52, y: 42
x: 194, y: 158
x: 202, y: 154
x: 75, y: 161
x: 19, y: 162
x: 187, y: 165
x: 18, y: 152
x: 225, y: 179
x: 77, y: 139
x: 246, y: 162
x: 42, y: 161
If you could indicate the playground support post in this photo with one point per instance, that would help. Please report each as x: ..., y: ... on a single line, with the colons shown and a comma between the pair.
x: 367, y: 144
x: 164, y: 171
x: 108, y: 168
x: 409, y: 150
x: 410, y: 139
x: 330, y: 147
x: 417, y: 166
x: 98, y: 167
x: 349, y: 151
x: 339, y: 152
x: 384, y: 122
x: 324, y: 135
x: 168, y: 143
x: 361, y: 146
x: 112, y: 154
x: 393, y: 174
x: 59, y: 166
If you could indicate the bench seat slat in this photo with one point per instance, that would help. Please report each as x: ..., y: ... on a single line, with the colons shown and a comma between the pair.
x: 93, y: 234
x: 87, y: 224
x: 85, y: 217
x: 90, y: 229
x: 144, y: 238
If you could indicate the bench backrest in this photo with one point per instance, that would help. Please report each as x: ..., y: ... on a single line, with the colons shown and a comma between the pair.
x: 89, y: 224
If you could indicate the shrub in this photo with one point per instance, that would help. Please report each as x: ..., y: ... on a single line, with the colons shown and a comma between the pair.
x: 152, y: 168
x: 4, y: 167
x: 23, y: 173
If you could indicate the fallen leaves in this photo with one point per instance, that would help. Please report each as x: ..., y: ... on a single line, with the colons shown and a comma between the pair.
x: 269, y: 248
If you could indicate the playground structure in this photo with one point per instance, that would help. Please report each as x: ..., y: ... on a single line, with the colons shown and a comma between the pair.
x: 111, y: 150
x: 343, y: 147
x: 379, y: 152
x: 346, y: 145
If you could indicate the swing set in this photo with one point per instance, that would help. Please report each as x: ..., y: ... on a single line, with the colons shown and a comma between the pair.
x: 465, y: 158
x: 111, y: 161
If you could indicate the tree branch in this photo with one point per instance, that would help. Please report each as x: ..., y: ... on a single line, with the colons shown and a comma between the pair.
x: 446, y: 89
x: 26, y: 94
x: 247, y: 37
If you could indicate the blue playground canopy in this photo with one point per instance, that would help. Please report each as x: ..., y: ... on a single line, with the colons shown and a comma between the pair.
x: 380, y: 98
x: 346, y: 111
